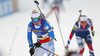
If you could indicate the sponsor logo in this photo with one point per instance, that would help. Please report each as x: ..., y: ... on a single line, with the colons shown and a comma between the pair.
x: 74, y: 28
x: 37, y: 30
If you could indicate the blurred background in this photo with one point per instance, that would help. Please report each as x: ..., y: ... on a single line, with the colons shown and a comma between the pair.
x: 16, y: 14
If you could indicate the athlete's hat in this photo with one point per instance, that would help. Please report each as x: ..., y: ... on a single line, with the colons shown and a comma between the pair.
x: 83, y: 18
x: 35, y: 14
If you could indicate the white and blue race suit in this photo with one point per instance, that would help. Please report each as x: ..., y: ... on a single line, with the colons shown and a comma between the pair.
x: 41, y: 34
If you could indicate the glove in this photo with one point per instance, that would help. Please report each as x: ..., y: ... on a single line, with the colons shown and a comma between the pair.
x: 37, y: 44
x: 66, y: 51
x: 36, y: 2
x: 93, y: 32
x: 31, y: 51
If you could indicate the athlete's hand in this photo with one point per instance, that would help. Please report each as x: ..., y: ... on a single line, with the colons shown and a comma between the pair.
x: 37, y: 44
x: 93, y: 33
x: 66, y: 49
x: 31, y: 51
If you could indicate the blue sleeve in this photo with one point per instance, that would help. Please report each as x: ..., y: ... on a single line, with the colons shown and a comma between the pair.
x: 48, y: 28
x: 51, y: 34
x: 29, y: 35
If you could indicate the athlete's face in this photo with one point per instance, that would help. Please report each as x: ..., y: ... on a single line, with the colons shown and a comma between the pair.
x: 83, y: 23
x: 37, y: 22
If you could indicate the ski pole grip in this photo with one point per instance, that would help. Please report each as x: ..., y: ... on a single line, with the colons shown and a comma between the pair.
x: 80, y: 12
x: 36, y: 2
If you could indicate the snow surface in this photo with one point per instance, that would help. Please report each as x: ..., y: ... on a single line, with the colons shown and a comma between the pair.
x: 13, y: 28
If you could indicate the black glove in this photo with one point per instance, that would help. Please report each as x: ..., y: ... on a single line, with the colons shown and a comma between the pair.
x: 36, y: 2
x: 37, y: 44
x: 32, y: 51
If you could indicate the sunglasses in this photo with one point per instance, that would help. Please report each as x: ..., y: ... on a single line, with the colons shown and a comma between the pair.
x: 35, y: 19
x: 83, y: 21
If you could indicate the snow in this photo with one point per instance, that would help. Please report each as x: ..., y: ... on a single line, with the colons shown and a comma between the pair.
x: 13, y: 28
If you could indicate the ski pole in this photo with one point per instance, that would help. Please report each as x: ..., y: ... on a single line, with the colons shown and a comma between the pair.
x: 49, y: 51
x: 37, y: 3
x: 59, y: 26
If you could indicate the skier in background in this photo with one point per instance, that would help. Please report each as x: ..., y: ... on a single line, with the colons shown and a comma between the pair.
x: 56, y: 8
x: 44, y: 34
x: 81, y: 28
x: 45, y: 3
x: 61, y: 3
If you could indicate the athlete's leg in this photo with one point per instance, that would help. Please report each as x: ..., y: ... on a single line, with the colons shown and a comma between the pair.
x: 80, y: 44
x: 51, y: 48
x: 88, y: 40
x: 39, y: 52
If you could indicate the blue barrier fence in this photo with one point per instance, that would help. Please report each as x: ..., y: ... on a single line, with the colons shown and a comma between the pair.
x: 6, y: 7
